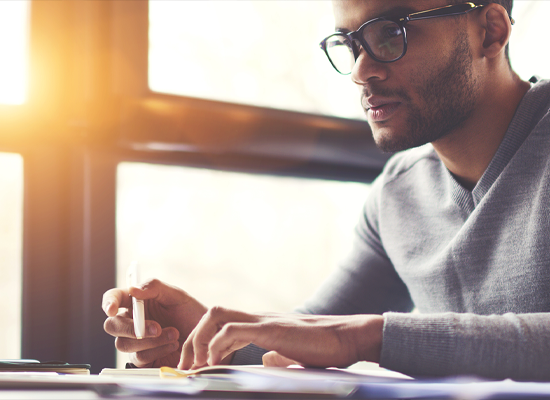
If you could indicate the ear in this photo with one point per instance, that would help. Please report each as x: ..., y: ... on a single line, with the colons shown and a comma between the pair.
x: 497, y: 29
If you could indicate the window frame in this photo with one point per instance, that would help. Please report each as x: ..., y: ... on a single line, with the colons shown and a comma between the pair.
x: 90, y: 108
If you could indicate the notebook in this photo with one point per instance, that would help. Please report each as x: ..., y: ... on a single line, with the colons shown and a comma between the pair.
x: 29, y: 365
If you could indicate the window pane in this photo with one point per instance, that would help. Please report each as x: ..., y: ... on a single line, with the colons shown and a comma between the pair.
x: 14, y: 27
x: 251, y: 242
x: 264, y: 53
x: 11, y: 227
x: 528, y: 52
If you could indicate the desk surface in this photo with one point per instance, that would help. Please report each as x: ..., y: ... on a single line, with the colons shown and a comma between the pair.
x: 49, y: 394
x: 297, y: 384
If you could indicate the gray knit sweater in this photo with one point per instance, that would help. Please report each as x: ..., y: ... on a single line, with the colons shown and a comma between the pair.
x: 475, y: 264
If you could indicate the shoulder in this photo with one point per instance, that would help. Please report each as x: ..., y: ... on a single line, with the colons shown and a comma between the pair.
x: 540, y: 88
x: 402, y: 178
x: 404, y: 174
x: 537, y: 99
x: 408, y: 161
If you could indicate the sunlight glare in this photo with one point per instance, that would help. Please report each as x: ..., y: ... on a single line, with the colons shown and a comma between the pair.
x: 14, y: 26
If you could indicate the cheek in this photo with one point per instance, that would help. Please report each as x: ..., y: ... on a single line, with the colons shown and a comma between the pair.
x: 429, y: 42
x: 429, y: 82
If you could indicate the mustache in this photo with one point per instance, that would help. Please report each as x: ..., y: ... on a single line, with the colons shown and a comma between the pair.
x: 371, y: 90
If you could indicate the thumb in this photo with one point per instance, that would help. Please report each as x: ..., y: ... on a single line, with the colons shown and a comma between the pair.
x: 274, y: 359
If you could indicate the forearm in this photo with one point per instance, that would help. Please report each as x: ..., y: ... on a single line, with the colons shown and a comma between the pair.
x: 365, y: 332
x: 513, y: 346
x: 309, y: 340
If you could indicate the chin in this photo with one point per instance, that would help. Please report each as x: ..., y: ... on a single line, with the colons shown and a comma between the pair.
x: 387, y: 140
x: 390, y: 142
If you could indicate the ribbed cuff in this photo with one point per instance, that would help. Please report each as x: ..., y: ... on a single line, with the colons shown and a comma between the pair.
x: 249, y: 355
x: 419, y: 345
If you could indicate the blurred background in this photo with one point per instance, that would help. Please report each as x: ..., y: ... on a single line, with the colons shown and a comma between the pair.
x: 210, y: 141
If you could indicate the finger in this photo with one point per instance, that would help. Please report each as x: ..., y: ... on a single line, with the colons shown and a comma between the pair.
x: 210, y: 325
x: 161, y: 292
x: 274, y: 359
x: 132, y: 345
x: 233, y: 336
x: 145, y: 358
x: 187, y: 354
x: 121, y: 326
x: 125, y: 313
x: 114, y: 299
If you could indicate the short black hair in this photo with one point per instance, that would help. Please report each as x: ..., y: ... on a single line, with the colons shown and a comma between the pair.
x: 507, y: 4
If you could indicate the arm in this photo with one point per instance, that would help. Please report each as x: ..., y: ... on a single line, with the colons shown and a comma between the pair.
x: 515, y: 346
x: 343, y: 340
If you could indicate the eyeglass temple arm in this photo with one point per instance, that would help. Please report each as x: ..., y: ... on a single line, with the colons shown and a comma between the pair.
x: 444, y: 11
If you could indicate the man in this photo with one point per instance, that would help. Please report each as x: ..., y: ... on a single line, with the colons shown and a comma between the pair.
x: 457, y: 226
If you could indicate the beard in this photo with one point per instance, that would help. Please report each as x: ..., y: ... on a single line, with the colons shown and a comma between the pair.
x: 448, y: 96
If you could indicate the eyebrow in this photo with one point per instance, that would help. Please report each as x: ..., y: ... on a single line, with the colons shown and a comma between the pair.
x: 399, y: 11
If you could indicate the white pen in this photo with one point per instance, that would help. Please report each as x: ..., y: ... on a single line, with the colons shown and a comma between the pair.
x: 138, y: 307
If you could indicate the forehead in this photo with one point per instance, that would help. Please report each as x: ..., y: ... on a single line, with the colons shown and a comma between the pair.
x: 351, y: 14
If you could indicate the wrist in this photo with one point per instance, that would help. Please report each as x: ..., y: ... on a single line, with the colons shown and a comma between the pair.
x: 368, y: 337
x: 228, y: 360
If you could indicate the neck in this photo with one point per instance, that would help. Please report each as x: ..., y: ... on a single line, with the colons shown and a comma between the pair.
x: 467, y: 151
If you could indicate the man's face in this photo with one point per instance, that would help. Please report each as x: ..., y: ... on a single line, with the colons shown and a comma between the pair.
x: 425, y: 95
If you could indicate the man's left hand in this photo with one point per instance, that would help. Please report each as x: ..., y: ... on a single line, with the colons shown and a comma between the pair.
x: 309, y: 340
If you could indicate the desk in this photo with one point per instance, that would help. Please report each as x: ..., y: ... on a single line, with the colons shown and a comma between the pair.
x: 49, y: 394
x: 335, y: 387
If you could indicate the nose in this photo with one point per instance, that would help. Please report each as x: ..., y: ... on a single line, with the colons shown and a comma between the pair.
x: 367, y: 69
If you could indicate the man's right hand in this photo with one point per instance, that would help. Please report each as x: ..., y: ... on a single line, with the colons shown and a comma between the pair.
x: 171, y: 315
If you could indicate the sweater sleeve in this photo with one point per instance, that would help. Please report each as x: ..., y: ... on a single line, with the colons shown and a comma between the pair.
x: 515, y: 346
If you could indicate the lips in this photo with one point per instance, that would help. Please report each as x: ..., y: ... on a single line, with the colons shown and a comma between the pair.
x: 383, y: 112
x: 380, y: 109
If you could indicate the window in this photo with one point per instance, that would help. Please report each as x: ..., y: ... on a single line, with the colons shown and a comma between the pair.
x: 11, y: 227
x: 13, y: 47
x: 263, y: 53
x: 528, y: 53
x: 14, y: 26
x: 211, y: 232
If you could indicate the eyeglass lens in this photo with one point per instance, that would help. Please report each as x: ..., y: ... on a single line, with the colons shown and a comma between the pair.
x: 384, y: 38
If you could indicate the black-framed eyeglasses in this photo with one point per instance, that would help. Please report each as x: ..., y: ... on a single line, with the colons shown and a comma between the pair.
x: 384, y: 39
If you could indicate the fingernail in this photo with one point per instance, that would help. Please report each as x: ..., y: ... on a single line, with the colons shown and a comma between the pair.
x: 107, y: 306
x: 153, y: 330
x: 172, y: 335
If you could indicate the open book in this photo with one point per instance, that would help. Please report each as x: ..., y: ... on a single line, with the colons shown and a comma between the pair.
x: 258, y: 379
x: 169, y: 373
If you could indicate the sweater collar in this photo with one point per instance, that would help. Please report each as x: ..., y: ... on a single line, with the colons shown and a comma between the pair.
x: 528, y: 114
